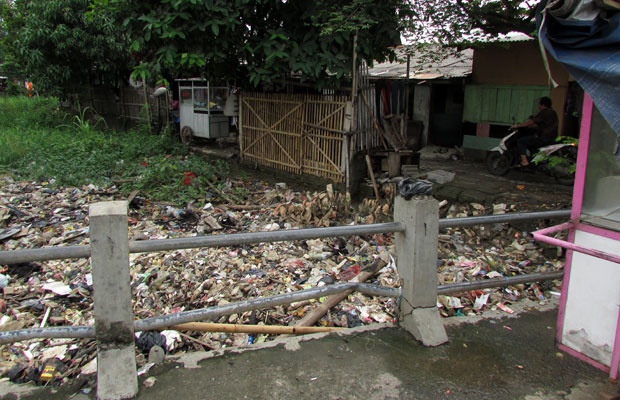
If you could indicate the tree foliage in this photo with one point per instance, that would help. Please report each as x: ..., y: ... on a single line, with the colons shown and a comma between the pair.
x: 53, y: 44
x: 65, y: 43
x: 264, y: 40
x: 9, y: 23
x: 450, y: 22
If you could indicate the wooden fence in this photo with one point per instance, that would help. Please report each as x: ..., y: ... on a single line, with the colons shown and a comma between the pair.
x: 305, y: 134
x: 126, y: 107
x: 294, y: 133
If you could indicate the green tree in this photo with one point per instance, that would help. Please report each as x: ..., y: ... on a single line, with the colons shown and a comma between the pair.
x: 450, y: 22
x: 53, y: 43
x: 9, y: 23
x: 264, y: 41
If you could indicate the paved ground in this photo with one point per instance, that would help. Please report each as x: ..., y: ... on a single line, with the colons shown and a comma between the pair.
x: 473, y: 183
x: 502, y: 357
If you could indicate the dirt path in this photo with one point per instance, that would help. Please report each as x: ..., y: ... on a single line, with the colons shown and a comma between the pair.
x: 530, y: 190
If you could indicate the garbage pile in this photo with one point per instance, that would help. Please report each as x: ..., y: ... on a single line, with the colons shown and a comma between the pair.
x: 59, y: 293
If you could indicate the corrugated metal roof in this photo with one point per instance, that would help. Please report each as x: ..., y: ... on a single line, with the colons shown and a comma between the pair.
x: 510, y: 37
x: 423, y: 67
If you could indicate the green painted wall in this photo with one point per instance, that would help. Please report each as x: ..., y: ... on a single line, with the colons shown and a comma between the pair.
x: 501, y: 104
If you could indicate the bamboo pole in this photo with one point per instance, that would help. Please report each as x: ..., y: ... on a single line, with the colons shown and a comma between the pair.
x: 374, y: 120
x: 316, y: 314
x: 230, y: 198
x: 372, y: 176
x: 252, y: 329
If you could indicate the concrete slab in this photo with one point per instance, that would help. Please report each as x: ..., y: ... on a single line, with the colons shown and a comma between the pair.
x: 504, y: 358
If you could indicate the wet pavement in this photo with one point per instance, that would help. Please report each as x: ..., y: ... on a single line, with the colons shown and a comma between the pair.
x: 499, y: 357
x: 472, y: 183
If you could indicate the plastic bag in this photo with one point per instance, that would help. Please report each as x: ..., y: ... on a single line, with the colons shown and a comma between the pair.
x: 410, y: 187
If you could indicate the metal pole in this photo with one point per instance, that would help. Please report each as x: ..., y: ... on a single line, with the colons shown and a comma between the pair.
x: 262, y: 237
x: 84, y: 332
x: 60, y: 253
x: 502, y: 218
x: 498, y: 282
x: 239, y: 307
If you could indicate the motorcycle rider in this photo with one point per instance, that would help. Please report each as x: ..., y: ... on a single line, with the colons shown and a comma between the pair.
x: 543, y: 128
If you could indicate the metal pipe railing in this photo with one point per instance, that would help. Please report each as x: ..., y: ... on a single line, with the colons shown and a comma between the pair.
x: 83, y: 251
x: 501, y: 218
x: 50, y: 253
x: 497, y: 282
x: 186, y: 316
x: 146, y: 246
x: 82, y: 332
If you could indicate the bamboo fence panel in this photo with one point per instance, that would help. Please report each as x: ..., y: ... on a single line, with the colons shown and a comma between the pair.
x: 324, y: 138
x: 271, y: 126
x: 128, y: 104
x: 301, y: 134
x: 366, y: 136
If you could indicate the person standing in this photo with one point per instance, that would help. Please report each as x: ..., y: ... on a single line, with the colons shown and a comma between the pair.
x: 544, y: 129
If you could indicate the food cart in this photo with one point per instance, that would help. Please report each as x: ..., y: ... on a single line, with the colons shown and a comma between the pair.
x: 201, y: 110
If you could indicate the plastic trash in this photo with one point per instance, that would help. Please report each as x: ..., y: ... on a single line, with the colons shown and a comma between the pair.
x: 156, y: 355
x: 148, y: 339
x: 48, y: 374
x: 410, y: 187
x: 4, y: 281
x: 58, y: 288
x: 481, y: 301
x: 173, y: 340
x: 7, y: 233
x: 505, y: 308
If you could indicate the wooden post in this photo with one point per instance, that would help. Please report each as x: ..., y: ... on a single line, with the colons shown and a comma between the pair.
x: 116, y: 358
x: 416, y: 250
x: 372, y: 177
x: 404, y: 121
x: 394, y: 164
x: 147, y: 102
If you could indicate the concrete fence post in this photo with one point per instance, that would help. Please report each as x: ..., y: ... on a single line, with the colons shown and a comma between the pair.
x: 416, y: 251
x: 116, y: 357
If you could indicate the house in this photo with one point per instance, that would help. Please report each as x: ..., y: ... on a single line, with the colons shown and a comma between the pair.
x: 508, y: 77
x: 429, y: 84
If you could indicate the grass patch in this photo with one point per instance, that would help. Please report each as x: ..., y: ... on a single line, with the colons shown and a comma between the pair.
x: 38, y: 145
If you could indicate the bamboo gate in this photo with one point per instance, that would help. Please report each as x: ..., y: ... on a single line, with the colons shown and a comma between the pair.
x: 307, y: 134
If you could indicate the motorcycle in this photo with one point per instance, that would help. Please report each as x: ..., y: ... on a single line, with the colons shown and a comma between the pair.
x: 557, y: 160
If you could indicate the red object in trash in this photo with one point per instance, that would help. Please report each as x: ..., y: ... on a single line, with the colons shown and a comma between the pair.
x: 349, y: 273
x: 189, y: 178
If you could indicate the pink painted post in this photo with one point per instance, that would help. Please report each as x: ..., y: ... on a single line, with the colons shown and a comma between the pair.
x: 615, y: 357
x: 541, y: 235
x: 578, y: 190
x: 582, y: 157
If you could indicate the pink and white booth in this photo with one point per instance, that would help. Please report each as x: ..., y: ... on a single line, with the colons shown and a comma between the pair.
x: 589, y: 315
x: 584, y: 35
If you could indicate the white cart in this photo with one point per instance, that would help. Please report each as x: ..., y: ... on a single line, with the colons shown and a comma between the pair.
x: 201, y: 110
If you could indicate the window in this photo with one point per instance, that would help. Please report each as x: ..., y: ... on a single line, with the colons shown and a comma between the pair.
x: 601, y: 198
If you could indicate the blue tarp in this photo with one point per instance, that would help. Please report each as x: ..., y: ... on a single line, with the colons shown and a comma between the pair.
x: 586, y: 40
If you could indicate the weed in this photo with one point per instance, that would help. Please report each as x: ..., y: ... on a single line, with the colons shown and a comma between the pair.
x: 29, y: 112
x: 39, y: 149
x: 81, y: 122
x: 562, y: 159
